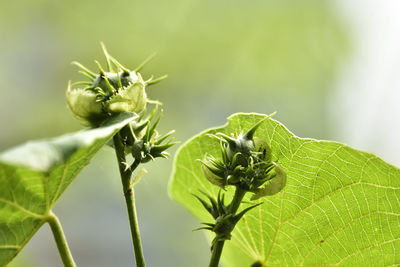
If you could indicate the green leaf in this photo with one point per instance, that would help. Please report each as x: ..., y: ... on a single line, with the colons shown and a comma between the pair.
x: 33, y: 176
x: 340, y: 206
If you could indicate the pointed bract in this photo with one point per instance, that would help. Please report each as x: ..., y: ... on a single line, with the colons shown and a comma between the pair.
x: 275, y: 185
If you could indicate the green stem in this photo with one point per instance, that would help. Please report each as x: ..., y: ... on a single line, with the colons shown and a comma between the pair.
x: 219, y: 245
x: 129, y: 198
x: 236, y: 200
x: 60, y: 239
x: 216, y: 253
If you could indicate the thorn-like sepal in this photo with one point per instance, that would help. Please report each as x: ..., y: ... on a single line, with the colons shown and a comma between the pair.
x: 225, y: 221
x: 246, y: 164
x: 143, y: 140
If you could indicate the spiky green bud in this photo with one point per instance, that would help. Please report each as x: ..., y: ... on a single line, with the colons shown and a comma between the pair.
x: 143, y: 140
x: 225, y: 221
x: 246, y: 163
x: 108, y: 92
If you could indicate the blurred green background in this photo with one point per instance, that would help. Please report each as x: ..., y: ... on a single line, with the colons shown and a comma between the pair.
x: 221, y: 57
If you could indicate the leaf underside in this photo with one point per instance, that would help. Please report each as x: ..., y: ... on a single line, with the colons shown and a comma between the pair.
x: 340, y: 206
x: 33, y: 176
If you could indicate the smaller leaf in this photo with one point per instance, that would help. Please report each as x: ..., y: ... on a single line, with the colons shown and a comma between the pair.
x: 42, y: 155
x: 33, y: 177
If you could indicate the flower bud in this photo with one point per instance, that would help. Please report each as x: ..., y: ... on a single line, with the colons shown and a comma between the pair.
x: 84, y: 106
x: 241, y: 145
x: 275, y: 184
x: 225, y: 221
x: 115, y: 79
x: 144, y: 141
x: 246, y: 164
x: 108, y: 92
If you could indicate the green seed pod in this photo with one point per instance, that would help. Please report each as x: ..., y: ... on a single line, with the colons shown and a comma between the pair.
x: 84, y: 106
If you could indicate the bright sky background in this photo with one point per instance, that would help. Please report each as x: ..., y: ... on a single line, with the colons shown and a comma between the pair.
x: 367, y: 104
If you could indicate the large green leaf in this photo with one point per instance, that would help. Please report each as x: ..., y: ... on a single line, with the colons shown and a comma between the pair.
x: 33, y: 176
x: 340, y: 206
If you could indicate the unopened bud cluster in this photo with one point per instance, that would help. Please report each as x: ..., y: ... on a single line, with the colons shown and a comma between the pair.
x: 107, y: 93
x: 115, y: 91
x: 142, y: 140
x: 225, y: 220
x: 246, y: 163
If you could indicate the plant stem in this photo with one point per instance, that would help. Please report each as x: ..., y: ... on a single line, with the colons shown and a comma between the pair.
x: 60, y: 239
x: 219, y: 245
x: 236, y: 200
x: 216, y: 253
x: 129, y: 198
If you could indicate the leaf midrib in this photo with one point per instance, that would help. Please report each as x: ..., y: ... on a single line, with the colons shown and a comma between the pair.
x: 21, y: 208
